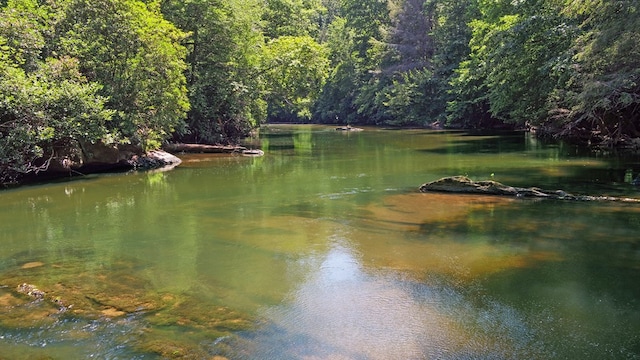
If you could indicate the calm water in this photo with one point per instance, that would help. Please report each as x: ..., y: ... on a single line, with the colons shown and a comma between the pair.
x: 324, y: 249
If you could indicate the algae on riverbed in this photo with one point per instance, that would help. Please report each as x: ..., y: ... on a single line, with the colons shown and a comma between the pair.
x: 116, y: 291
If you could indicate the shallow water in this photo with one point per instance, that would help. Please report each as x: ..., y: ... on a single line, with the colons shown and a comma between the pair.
x: 324, y: 249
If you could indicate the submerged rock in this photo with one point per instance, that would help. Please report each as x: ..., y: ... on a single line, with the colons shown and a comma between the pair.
x: 31, y: 290
x: 178, y: 326
x: 32, y: 264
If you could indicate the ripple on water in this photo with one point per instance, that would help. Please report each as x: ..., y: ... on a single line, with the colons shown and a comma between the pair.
x: 73, y: 339
x: 342, y: 312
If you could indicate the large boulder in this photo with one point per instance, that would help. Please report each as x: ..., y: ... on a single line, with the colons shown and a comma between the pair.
x: 462, y: 184
x: 83, y: 157
x: 76, y: 158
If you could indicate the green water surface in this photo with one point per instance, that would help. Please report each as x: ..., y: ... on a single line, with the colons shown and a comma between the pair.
x: 324, y: 249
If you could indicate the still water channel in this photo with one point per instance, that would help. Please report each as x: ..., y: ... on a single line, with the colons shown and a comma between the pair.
x: 324, y: 249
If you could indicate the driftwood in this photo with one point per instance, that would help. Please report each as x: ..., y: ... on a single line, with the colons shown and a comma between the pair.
x: 348, y: 128
x: 203, y: 148
x: 464, y: 185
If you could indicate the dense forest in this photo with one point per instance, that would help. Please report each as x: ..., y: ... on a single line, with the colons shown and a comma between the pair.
x: 143, y: 72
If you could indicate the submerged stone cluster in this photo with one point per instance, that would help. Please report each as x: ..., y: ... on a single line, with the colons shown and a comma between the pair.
x: 116, y: 292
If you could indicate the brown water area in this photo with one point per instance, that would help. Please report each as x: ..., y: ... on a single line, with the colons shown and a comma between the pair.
x: 324, y: 248
x: 459, y: 261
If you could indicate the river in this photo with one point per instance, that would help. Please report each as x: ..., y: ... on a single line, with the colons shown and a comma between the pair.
x: 324, y: 249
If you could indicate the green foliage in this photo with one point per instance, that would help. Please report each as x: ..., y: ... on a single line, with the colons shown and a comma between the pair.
x: 292, y: 18
x: 393, y: 81
x: 134, y: 71
x: 602, y: 89
x: 571, y: 67
x: 335, y: 102
x: 368, y: 19
x: 354, y: 38
x: 295, y: 69
x: 23, y: 26
x: 45, y: 103
x: 223, y: 60
x: 43, y: 110
x: 129, y: 48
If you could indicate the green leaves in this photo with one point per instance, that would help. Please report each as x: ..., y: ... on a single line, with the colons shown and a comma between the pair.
x: 292, y: 18
x: 129, y: 48
x: 210, y: 70
x: 52, y: 106
x: 23, y: 26
x: 295, y: 69
x: 223, y: 60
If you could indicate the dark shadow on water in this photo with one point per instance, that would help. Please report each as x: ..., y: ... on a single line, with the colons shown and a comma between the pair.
x: 485, y: 143
x: 276, y: 135
x: 274, y: 147
x: 580, y: 179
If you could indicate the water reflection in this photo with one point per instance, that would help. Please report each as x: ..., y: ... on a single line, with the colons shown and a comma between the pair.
x: 343, y: 311
x: 470, y: 143
x: 323, y: 249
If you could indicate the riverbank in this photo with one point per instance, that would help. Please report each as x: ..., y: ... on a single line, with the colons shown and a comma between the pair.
x: 118, y: 162
x: 92, y: 159
x: 88, y: 159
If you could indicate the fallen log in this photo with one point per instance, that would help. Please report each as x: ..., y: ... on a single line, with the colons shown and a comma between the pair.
x: 203, y: 148
x: 464, y: 185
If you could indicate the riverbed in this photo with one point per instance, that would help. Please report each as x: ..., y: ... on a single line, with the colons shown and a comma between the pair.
x: 324, y: 248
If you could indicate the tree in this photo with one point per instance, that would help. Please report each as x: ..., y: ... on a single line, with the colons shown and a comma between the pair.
x: 136, y: 55
x: 401, y: 79
x: 295, y: 69
x: 335, y: 101
x: 224, y: 45
x: 451, y: 35
x: 600, y: 96
x: 353, y: 37
x: 368, y: 20
x: 46, y: 104
x: 509, y: 75
x: 46, y: 111
x: 22, y: 25
x: 292, y: 18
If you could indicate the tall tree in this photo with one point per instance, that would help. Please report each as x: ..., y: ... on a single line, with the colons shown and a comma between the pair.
x: 295, y: 69
x: 292, y: 18
x: 335, y: 103
x: 46, y: 105
x: 355, y: 35
x: 600, y: 98
x: 129, y: 48
x: 451, y: 34
x: 223, y: 59
x: 402, y: 80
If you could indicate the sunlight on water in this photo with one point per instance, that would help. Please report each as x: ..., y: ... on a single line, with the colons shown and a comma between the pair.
x: 341, y: 311
x: 324, y: 249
